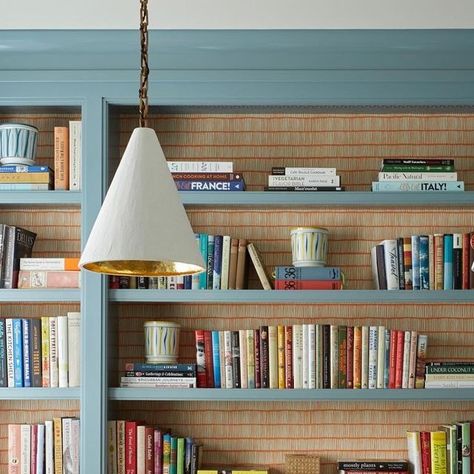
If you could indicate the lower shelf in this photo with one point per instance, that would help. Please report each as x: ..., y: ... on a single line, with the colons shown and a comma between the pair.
x: 212, y: 394
x: 39, y: 393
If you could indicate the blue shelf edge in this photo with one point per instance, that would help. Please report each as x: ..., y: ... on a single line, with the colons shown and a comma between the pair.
x: 210, y: 394
x: 43, y: 198
x: 295, y: 296
x: 40, y: 295
x: 39, y: 393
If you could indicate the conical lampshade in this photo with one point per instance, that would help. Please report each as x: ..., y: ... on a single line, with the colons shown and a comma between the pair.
x: 142, y: 228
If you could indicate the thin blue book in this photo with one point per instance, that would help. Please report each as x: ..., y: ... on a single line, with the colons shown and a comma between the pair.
x: 142, y: 367
x: 415, y: 261
x: 174, y: 456
x: 203, y: 275
x: 24, y: 169
x: 307, y: 273
x: 386, y: 373
x: 448, y: 261
x: 17, y: 353
x: 424, y: 263
x: 216, y: 359
x: 27, y: 353
x: 217, y: 263
x: 417, y: 186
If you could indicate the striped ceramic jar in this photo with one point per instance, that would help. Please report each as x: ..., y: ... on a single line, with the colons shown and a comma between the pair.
x: 309, y: 246
x: 18, y: 141
x: 161, y: 342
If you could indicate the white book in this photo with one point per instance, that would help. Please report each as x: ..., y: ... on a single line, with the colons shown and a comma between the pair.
x: 140, y: 449
x: 297, y: 356
x: 273, y: 356
x: 66, y: 442
x: 412, y: 368
x: 9, y: 346
x: 225, y: 262
x: 319, y: 355
x: 40, y: 450
x: 414, y: 451
x: 250, y: 358
x: 229, y: 372
x: 63, y: 358
x: 391, y: 263
x: 417, y: 176
x: 243, y: 358
x: 196, y: 276
x: 74, y: 348
x: 289, y: 171
x: 305, y: 355
x: 25, y: 449
x: 305, y: 180
x: 381, y: 357
x: 53, y: 352
x: 222, y: 359
x: 75, y: 154
x: 49, y: 447
x: 334, y: 355
x: 201, y: 166
x: 431, y: 261
x: 449, y: 384
x: 312, y: 356
x: 406, y: 359
x: 364, y: 364
x: 75, y: 445
x: 373, y: 353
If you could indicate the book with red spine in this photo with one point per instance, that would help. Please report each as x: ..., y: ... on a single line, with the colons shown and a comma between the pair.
x: 289, y: 356
x: 200, y: 358
x: 256, y: 341
x: 350, y: 357
x: 399, y: 359
x: 308, y: 284
x: 208, y: 358
x: 425, y: 443
x: 393, y: 358
x: 471, y: 260
x: 149, y: 450
x: 131, y: 447
x: 342, y: 367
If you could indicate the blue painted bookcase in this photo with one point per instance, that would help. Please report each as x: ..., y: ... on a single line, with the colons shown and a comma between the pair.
x: 92, y: 71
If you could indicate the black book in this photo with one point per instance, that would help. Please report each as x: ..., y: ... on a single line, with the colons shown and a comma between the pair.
x: 381, y: 272
x: 36, y: 366
x: 142, y: 283
x: 264, y: 360
x: 401, y: 264
x: 415, y: 161
x: 303, y: 188
x: 235, y: 346
x: 457, y: 261
x: 326, y: 356
x: 373, y: 465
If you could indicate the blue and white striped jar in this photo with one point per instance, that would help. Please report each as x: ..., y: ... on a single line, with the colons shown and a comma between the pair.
x: 18, y: 141
x: 161, y: 342
x: 309, y: 246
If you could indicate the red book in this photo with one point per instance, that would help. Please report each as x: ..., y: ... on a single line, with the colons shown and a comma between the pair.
x: 399, y: 359
x: 256, y: 342
x: 289, y: 356
x: 425, y: 445
x: 149, y: 450
x: 393, y: 358
x: 131, y: 447
x: 350, y: 357
x: 208, y: 358
x: 114, y: 282
x: 466, y: 270
x: 308, y: 284
x: 472, y: 447
x: 200, y: 358
x: 471, y: 259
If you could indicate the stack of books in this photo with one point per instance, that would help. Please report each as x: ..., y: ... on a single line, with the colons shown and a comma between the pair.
x: 424, y: 262
x: 52, y: 446
x: 449, y: 375
x: 375, y: 466
x: 26, y: 178
x: 311, y: 356
x: 308, y: 278
x: 206, y: 176
x: 448, y: 449
x: 413, y: 175
x: 136, y: 447
x: 159, y: 375
x: 303, y: 179
x: 45, y: 272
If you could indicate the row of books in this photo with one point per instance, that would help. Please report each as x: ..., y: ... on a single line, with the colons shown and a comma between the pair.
x: 311, y: 356
x: 424, y: 262
x: 303, y: 179
x: 139, y: 374
x: 373, y: 466
x: 417, y: 175
x: 44, y: 448
x: 457, y: 374
x: 308, y: 278
x: 135, y: 447
x: 54, y: 272
x: 446, y: 450
x: 40, y: 352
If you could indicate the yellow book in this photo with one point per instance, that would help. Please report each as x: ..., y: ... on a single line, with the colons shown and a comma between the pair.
x: 58, y: 446
x: 438, y: 452
x: 46, y: 178
x: 45, y: 351
x: 281, y: 355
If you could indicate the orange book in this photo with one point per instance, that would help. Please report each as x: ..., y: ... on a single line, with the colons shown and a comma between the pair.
x: 357, y: 380
x: 61, y: 158
x: 234, y: 247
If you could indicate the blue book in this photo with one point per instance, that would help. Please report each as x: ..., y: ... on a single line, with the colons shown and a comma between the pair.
x: 196, y: 277
x: 307, y: 273
x: 217, y: 269
x: 216, y: 358
x: 417, y: 186
x: 27, y: 352
x: 415, y: 261
x: 17, y: 352
x: 203, y: 247
x: 210, y: 185
x: 174, y: 456
x: 142, y: 367
x: 448, y: 261
x: 424, y: 263
x: 187, y: 281
x: 210, y: 261
x: 3, y: 355
x: 24, y: 169
x: 386, y: 373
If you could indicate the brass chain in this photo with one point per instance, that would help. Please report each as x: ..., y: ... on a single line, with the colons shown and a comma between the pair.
x: 144, y: 70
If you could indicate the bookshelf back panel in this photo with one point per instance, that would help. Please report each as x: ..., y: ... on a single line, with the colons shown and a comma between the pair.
x: 30, y: 411
x: 353, y: 141
x: 251, y: 433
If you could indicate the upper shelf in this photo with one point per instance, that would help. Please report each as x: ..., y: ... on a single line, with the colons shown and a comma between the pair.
x: 342, y: 198
x: 41, y: 198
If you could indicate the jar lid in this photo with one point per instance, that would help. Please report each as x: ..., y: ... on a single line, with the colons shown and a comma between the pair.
x: 320, y: 229
x: 18, y: 125
x: 168, y: 324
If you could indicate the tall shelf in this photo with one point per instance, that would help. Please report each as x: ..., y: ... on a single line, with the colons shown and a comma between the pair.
x: 412, y: 74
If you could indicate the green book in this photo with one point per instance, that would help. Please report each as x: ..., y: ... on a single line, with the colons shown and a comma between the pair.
x: 180, y: 456
x: 173, y: 458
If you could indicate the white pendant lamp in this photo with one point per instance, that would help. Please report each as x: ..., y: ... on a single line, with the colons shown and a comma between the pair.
x: 142, y: 228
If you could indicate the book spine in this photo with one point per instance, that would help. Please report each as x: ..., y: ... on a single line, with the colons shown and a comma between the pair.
x: 357, y: 365
x: 393, y: 358
x: 373, y: 351
x: 229, y: 372
x: 3, y: 355
x: 25, y: 448
x: 438, y: 452
x: 8, y: 256
x: 406, y: 359
x: 303, y: 180
x: 210, y: 262
x: 216, y: 358
x: 200, y: 358
x: 140, y: 451
x: 264, y: 358
x: 234, y: 249
x: 293, y: 171
x: 466, y: 442
x: 206, y: 176
x: 364, y: 371
x: 439, y: 261
x: 58, y: 446
x: 208, y: 356
x: 417, y: 176
x: 386, y: 375
x: 420, y: 360
x: 111, y: 447
x: 27, y: 352
x: 418, y: 167
x: 431, y: 261
x: 200, y: 166
x: 149, y: 450
x: 180, y: 456
x: 380, y: 356
x: 407, y: 263
x: 243, y: 358
x: 414, y: 451
x: 241, y: 265
x: 425, y: 442
x: 401, y: 265
x: 18, y: 352
x: 74, y: 348
x: 399, y: 359
x: 203, y: 248
x: 334, y: 355
x: 259, y: 267
x: 424, y: 262
x: 326, y: 355
x: 273, y: 356
x: 235, y: 344
x: 412, y: 358
x: 121, y: 453
x: 308, y: 285
x: 465, y: 261
x: 29, y: 178
x: 258, y: 375
x: 297, y: 356
x: 49, y: 447
x: 225, y: 262
x: 288, y: 356
x: 131, y: 447
x: 415, y: 256
x: 448, y: 262
x: 61, y: 158
x: 303, y: 188
x: 210, y: 185
x: 217, y: 263
x: 36, y: 375
x: 457, y: 261
x: 14, y: 448
x: 281, y: 356
x: 53, y: 352
x: 158, y: 451
x: 250, y: 344
x: 166, y: 453
x: 305, y: 379
x: 311, y: 356
x: 45, y: 352
x: 48, y: 279
x: 391, y: 264
x: 66, y: 442
x: 75, y: 444
x: 63, y: 368
x: 196, y: 277
x: 319, y: 355
x: 75, y: 154
x: 40, y: 450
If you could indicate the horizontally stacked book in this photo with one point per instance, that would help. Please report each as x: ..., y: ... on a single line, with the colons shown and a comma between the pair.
x: 135, y: 447
x: 311, y: 356
x: 40, y: 352
x: 55, y: 272
x: 233, y: 471
x: 424, y: 262
x: 159, y: 375
x: 455, y: 374
x: 413, y: 175
x: 52, y: 446
x: 445, y: 450
x: 206, y: 176
x: 303, y: 179
x: 308, y: 278
x: 26, y: 178
x: 373, y: 466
